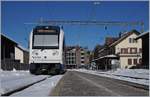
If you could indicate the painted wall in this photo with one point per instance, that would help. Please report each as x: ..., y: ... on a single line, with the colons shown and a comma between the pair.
x: 125, y: 44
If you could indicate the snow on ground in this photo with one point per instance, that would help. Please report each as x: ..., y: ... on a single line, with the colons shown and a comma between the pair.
x: 140, y: 76
x: 133, y: 73
x: 12, y: 80
x: 40, y: 89
x: 13, y: 75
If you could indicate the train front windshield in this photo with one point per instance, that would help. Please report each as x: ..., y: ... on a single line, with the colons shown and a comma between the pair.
x: 46, y: 41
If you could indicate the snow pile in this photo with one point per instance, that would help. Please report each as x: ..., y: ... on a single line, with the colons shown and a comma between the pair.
x: 132, y: 73
x: 12, y: 80
x: 40, y: 89
x: 140, y: 76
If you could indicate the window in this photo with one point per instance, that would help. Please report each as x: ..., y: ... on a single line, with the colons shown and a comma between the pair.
x: 132, y: 40
x: 124, y: 50
x: 45, y: 40
x: 135, y: 61
x: 129, y: 61
x: 82, y: 57
x: 133, y: 50
x: 82, y: 61
x: 72, y: 54
x: 140, y: 50
x: 82, y: 53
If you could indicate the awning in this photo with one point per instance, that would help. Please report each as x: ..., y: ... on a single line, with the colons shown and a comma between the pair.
x: 107, y: 56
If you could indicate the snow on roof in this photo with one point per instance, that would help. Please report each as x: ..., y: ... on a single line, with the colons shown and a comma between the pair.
x: 107, y: 56
x: 110, y: 56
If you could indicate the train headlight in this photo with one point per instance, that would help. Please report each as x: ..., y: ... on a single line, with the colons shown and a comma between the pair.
x: 34, y: 52
x: 55, y: 53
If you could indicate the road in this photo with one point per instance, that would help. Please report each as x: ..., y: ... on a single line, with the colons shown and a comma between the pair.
x: 82, y: 84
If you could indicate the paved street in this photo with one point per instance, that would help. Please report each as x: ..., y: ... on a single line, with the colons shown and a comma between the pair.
x: 82, y: 84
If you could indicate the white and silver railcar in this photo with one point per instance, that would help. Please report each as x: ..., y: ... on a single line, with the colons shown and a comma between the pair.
x: 46, y: 50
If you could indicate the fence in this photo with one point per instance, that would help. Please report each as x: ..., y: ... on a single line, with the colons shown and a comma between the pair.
x: 9, y: 64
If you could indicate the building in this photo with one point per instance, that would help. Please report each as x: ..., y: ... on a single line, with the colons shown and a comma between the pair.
x: 76, y: 57
x: 123, y: 51
x: 21, y: 54
x: 7, y: 48
x: 128, y: 49
x: 145, y: 49
x: 70, y: 57
x: 103, y: 57
x: 13, y: 55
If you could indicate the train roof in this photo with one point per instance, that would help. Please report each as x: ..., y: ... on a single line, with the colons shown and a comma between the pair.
x: 46, y: 27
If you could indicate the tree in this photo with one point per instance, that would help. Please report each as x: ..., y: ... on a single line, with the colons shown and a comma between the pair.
x: 96, y: 50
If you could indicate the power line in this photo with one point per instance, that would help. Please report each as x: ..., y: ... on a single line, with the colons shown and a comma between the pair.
x: 89, y: 22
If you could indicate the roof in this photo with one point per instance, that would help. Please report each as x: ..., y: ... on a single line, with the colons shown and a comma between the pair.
x: 19, y: 46
x: 124, y: 37
x: 110, y: 40
x: 22, y: 48
x: 107, y: 56
x: 3, y: 35
x: 143, y: 34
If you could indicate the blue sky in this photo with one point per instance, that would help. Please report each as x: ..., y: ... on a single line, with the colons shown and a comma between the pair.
x: 15, y: 14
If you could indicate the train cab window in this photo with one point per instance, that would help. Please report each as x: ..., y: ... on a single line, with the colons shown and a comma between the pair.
x: 46, y: 40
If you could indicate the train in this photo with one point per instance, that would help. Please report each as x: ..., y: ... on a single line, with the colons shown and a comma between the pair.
x: 47, y: 50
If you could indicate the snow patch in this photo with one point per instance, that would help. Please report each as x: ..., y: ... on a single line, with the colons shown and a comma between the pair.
x: 140, y: 76
x: 43, y: 88
x: 12, y: 80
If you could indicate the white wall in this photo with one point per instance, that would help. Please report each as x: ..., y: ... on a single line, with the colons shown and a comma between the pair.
x: 19, y: 54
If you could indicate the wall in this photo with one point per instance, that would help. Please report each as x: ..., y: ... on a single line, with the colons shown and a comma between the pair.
x: 19, y: 54
x: 26, y: 57
x: 125, y: 44
x: 145, y: 51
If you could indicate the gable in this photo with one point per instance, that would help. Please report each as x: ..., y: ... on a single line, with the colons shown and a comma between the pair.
x: 124, y: 37
x: 125, y: 42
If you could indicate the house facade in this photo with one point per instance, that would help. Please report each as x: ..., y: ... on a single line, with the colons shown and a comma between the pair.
x: 121, y: 52
x: 129, y: 50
